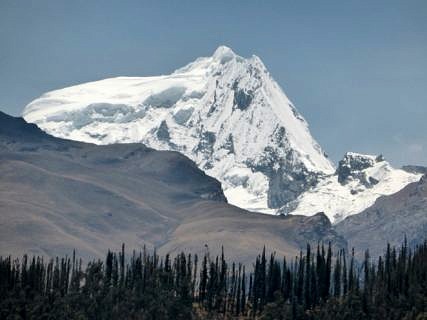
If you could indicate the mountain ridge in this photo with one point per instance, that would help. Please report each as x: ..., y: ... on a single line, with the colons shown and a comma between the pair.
x: 58, y: 195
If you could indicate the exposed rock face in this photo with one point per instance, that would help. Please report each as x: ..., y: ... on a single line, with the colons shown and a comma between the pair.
x: 242, y: 98
x: 353, y: 166
x: 286, y: 184
x: 390, y: 219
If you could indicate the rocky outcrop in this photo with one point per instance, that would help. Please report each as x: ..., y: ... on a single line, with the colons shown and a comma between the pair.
x: 353, y: 167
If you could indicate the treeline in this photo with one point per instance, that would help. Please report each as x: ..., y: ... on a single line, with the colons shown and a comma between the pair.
x: 315, y: 285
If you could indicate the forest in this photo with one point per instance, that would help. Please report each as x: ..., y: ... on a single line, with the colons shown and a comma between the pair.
x: 317, y: 284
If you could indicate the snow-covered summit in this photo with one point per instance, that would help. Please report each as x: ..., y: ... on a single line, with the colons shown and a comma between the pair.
x: 224, y: 111
x: 202, y: 65
x: 227, y: 114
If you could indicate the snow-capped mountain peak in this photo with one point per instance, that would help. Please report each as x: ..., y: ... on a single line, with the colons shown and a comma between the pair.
x: 221, y: 56
x: 223, y: 52
x: 224, y: 111
x: 227, y: 114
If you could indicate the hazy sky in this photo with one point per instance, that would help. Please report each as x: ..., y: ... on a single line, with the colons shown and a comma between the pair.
x: 356, y: 70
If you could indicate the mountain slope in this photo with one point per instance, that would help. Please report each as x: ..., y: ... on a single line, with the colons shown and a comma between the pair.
x: 224, y: 112
x: 56, y: 195
x: 389, y: 220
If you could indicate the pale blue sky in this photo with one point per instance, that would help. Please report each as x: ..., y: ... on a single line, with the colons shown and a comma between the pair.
x: 356, y: 70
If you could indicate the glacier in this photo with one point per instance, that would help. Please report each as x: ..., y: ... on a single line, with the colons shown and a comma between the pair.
x: 227, y: 114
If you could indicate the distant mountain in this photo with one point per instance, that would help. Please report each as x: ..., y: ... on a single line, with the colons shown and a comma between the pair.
x: 389, y: 220
x: 358, y: 181
x: 228, y: 115
x: 56, y: 195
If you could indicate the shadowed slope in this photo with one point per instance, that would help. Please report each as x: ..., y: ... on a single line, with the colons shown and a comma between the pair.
x: 56, y: 195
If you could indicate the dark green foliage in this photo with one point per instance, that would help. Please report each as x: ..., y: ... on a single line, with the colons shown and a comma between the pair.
x: 146, y: 286
x: 393, y: 288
